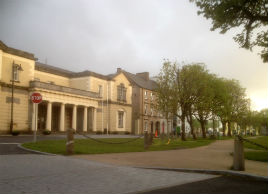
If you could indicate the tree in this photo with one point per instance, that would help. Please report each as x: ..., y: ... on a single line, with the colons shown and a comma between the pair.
x: 166, y: 100
x: 196, y: 89
x: 251, y: 15
x: 167, y: 90
x: 232, y: 103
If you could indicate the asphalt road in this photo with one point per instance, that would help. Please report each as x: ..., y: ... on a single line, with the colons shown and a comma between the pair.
x: 217, y: 185
x: 24, y: 172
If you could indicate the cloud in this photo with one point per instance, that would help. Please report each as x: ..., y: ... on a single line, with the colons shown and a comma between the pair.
x: 101, y: 35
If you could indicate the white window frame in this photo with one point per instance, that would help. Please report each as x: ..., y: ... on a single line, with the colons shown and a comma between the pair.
x: 16, y: 74
x: 121, y: 120
x: 145, y: 109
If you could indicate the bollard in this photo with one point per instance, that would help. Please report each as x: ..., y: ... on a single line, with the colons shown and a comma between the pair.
x: 151, y: 137
x: 70, y: 142
x: 239, y: 160
x: 162, y: 136
x: 146, y: 143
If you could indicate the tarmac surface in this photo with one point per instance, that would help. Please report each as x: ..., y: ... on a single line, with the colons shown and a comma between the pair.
x: 24, y: 172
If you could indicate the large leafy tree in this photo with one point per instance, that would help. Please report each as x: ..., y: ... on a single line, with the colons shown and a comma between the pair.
x: 166, y: 100
x: 232, y: 103
x: 196, y: 86
x: 205, y: 97
x: 251, y: 15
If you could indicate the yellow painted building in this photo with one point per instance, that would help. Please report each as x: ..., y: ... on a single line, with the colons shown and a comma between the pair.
x: 85, y: 101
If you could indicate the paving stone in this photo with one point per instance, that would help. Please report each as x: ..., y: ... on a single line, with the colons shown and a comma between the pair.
x: 59, y: 174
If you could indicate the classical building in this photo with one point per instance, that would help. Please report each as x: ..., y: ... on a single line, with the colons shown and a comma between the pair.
x: 145, y: 116
x: 85, y: 101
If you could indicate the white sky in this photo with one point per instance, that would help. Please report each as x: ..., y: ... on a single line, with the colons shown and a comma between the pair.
x: 136, y: 35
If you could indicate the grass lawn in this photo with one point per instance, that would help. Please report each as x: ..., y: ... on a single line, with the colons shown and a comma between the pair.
x: 257, y: 155
x: 260, y: 154
x: 88, y: 146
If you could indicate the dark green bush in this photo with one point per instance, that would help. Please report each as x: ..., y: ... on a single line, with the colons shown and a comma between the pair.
x: 46, y: 132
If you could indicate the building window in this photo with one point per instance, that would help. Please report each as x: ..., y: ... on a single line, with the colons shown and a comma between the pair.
x: 145, y: 109
x: 145, y: 126
x: 100, y: 90
x: 145, y: 94
x: 120, y: 119
x: 15, y: 74
x: 121, y: 93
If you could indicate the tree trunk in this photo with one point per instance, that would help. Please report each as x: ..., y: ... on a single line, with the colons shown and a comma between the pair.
x: 214, y: 127
x: 229, y: 128
x: 192, y: 127
x: 183, y: 127
x: 223, y: 127
x: 203, y: 127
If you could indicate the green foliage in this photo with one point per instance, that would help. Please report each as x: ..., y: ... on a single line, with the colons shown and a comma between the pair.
x: 190, y: 90
x: 46, y: 132
x: 251, y: 15
x: 87, y: 146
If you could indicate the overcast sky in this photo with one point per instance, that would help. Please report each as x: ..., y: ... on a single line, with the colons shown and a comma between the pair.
x: 136, y: 35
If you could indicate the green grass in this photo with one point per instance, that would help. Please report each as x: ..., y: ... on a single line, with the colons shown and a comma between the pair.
x: 260, y: 154
x: 257, y: 155
x: 87, y: 146
x: 262, y: 140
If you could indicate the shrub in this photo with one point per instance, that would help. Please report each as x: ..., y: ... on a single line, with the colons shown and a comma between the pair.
x: 98, y: 132
x: 46, y: 132
x: 127, y: 132
x: 15, y: 133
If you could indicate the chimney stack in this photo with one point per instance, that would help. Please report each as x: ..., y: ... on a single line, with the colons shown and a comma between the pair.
x: 119, y: 70
x: 144, y: 75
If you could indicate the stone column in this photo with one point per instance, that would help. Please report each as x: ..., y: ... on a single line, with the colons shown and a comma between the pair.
x: 94, y: 119
x: 48, y: 121
x: 62, y: 117
x: 74, y: 117
x: 85, y: 120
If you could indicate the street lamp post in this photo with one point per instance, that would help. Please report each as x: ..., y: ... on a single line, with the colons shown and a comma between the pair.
x: 18, y: 68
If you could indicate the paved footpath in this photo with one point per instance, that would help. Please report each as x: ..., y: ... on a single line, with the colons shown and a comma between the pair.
x: 215, y: 156
x: 33, y: 173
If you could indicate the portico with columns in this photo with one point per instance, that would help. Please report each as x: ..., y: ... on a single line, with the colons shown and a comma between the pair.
x: 60, y: 111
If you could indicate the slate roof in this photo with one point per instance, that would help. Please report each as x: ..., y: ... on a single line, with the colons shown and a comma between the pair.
x: 137, y: 80
x: 17, y: 52
x: 66, y: 73
x: 51, y: 69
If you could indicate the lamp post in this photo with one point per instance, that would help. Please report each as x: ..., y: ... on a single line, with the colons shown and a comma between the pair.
x: 17, y: 68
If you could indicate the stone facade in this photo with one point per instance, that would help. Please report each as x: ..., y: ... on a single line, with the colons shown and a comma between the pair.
x: 85, y: 101
x: 145, y: 115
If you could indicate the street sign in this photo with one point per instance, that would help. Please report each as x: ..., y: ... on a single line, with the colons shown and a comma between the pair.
x: 36, y: 98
